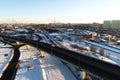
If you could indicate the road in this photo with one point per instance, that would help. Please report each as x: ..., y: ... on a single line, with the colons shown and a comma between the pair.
x: 10, y: 71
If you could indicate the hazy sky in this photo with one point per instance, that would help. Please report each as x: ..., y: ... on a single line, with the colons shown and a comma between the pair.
x: 78, y: 11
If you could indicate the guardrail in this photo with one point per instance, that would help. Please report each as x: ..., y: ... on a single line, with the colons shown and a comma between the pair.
x: 105, y: 70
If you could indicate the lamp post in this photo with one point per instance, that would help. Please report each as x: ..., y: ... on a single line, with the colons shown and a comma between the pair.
x: 52, y: 48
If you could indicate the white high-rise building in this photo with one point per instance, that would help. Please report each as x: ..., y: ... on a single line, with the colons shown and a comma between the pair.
x: 106, y: 24
x: 114, y: 24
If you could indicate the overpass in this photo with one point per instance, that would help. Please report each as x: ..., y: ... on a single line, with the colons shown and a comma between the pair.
x: 105, y: 70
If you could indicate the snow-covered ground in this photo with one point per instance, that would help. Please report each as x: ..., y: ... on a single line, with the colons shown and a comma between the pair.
x: 32, y: 67
x: 29, y: 66
x: 54, y: 69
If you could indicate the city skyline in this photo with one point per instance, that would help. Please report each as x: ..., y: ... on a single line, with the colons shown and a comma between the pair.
x: 63, y: 11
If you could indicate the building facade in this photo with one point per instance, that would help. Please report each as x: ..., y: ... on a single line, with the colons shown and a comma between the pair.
x: 113, y: 24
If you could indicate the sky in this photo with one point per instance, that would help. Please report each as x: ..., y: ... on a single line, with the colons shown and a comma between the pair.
x: 68, y: 11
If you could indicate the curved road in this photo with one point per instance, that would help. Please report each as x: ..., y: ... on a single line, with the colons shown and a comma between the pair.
x: 10, y: 71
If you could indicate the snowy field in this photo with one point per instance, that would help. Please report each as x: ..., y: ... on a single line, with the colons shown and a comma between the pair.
x: 54, y: 69
x: 29, y: 66
x: 32, y: 67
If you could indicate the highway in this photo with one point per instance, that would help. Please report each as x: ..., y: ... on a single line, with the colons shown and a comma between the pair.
x: 52, y: 40
x: 113, y: 51
x: 107, y: 47
x: 105, y: 70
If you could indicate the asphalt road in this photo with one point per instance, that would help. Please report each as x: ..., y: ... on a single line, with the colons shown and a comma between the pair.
x: 10, y: 71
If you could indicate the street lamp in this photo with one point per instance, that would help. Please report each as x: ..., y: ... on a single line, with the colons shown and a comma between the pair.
x: 52, y: 48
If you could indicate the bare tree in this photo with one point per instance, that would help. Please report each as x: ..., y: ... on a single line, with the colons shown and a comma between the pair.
x: 107, y: 55
x: 93, y: 49
x: 101, y: 52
